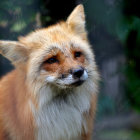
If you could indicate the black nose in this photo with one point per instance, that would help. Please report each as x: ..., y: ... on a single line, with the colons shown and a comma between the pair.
x: 77, y: 73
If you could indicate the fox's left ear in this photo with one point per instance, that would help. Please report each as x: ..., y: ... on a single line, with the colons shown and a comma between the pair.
x: 16, y: 52
x: 76, y: 21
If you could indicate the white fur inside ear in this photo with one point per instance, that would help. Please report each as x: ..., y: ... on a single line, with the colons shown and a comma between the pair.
x: 84, y: 76
x: 50, y: 79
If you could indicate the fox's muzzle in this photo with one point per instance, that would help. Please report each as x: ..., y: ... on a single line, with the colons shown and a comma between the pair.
x: 77, y: 73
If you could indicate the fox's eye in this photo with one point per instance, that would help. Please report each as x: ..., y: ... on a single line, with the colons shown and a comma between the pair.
x: 51, y: 60
x: 77, y: 54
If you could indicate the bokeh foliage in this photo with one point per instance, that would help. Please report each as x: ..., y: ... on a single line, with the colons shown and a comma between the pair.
x: 121, y: 19
x: 132, y: 20
x: 17, y: 17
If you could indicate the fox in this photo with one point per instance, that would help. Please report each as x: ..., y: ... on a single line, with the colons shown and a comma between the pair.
x: 52, y: 92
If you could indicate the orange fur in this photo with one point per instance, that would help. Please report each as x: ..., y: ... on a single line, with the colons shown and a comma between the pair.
x: 24, y: 91
x: 90, y: 119
x: 16, y: 116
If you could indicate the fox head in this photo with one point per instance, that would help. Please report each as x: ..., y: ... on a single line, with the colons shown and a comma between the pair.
x: 58, y: 56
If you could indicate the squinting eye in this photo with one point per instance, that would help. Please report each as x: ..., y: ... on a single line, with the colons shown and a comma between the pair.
x: 51, y: 60
x: 77, y: 54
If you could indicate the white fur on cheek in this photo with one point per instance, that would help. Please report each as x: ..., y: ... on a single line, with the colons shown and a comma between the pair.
x: 50, y: 79
x: 84, y: 76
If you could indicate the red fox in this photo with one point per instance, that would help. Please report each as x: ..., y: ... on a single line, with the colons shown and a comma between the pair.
x: 52, y: 93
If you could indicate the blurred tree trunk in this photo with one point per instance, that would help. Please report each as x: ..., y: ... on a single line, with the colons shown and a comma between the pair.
x: 103, y: 17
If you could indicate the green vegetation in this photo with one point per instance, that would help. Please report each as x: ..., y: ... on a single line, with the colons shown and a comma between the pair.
x: 17, y: 17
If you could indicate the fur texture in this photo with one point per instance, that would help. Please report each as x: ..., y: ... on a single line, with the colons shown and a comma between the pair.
x: 44, y: 98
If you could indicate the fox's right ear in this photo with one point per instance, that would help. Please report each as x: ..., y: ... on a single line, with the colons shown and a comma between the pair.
x: 14, y: 51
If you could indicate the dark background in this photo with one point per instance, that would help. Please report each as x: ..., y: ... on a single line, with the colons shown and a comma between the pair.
x: 114, y: 31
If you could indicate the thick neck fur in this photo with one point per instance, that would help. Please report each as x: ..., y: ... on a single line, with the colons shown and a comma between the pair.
x: 61, y: 112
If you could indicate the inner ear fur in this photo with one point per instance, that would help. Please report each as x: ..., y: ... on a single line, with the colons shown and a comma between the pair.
x: 14, y: 51
x: 76, y: 21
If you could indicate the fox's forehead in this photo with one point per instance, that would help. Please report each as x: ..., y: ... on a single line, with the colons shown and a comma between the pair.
x: 51, y: 35
x: 66, y: 48
x: 56, y: 37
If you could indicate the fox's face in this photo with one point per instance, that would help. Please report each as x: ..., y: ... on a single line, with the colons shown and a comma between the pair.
x: 62, y: 59
x: 58, y: 55
x: 65, y: 67
x: 65, y: 64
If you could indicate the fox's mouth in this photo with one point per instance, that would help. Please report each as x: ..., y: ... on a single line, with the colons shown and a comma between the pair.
x: 78, y: 83
x: 71, y: 81
x: 72, y: 84
x: 68, y: 81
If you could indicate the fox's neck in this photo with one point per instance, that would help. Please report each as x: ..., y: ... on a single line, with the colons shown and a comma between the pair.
x: 52, y: 109
x: 60, y: 110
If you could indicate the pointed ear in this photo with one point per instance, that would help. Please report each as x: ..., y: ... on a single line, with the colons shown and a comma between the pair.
x: 14, y: 51
x: 76, y: 21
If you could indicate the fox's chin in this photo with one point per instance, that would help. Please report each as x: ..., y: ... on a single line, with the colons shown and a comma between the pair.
x: 78, y: 83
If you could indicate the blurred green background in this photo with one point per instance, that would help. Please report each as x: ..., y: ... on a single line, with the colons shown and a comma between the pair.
x: 114, y: 32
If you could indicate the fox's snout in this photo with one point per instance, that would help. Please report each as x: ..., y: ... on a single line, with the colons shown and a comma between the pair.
x: 75, y: 77
x: 77, y: 73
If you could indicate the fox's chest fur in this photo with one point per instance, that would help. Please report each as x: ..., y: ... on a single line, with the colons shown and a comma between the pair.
x: 63, y: 117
